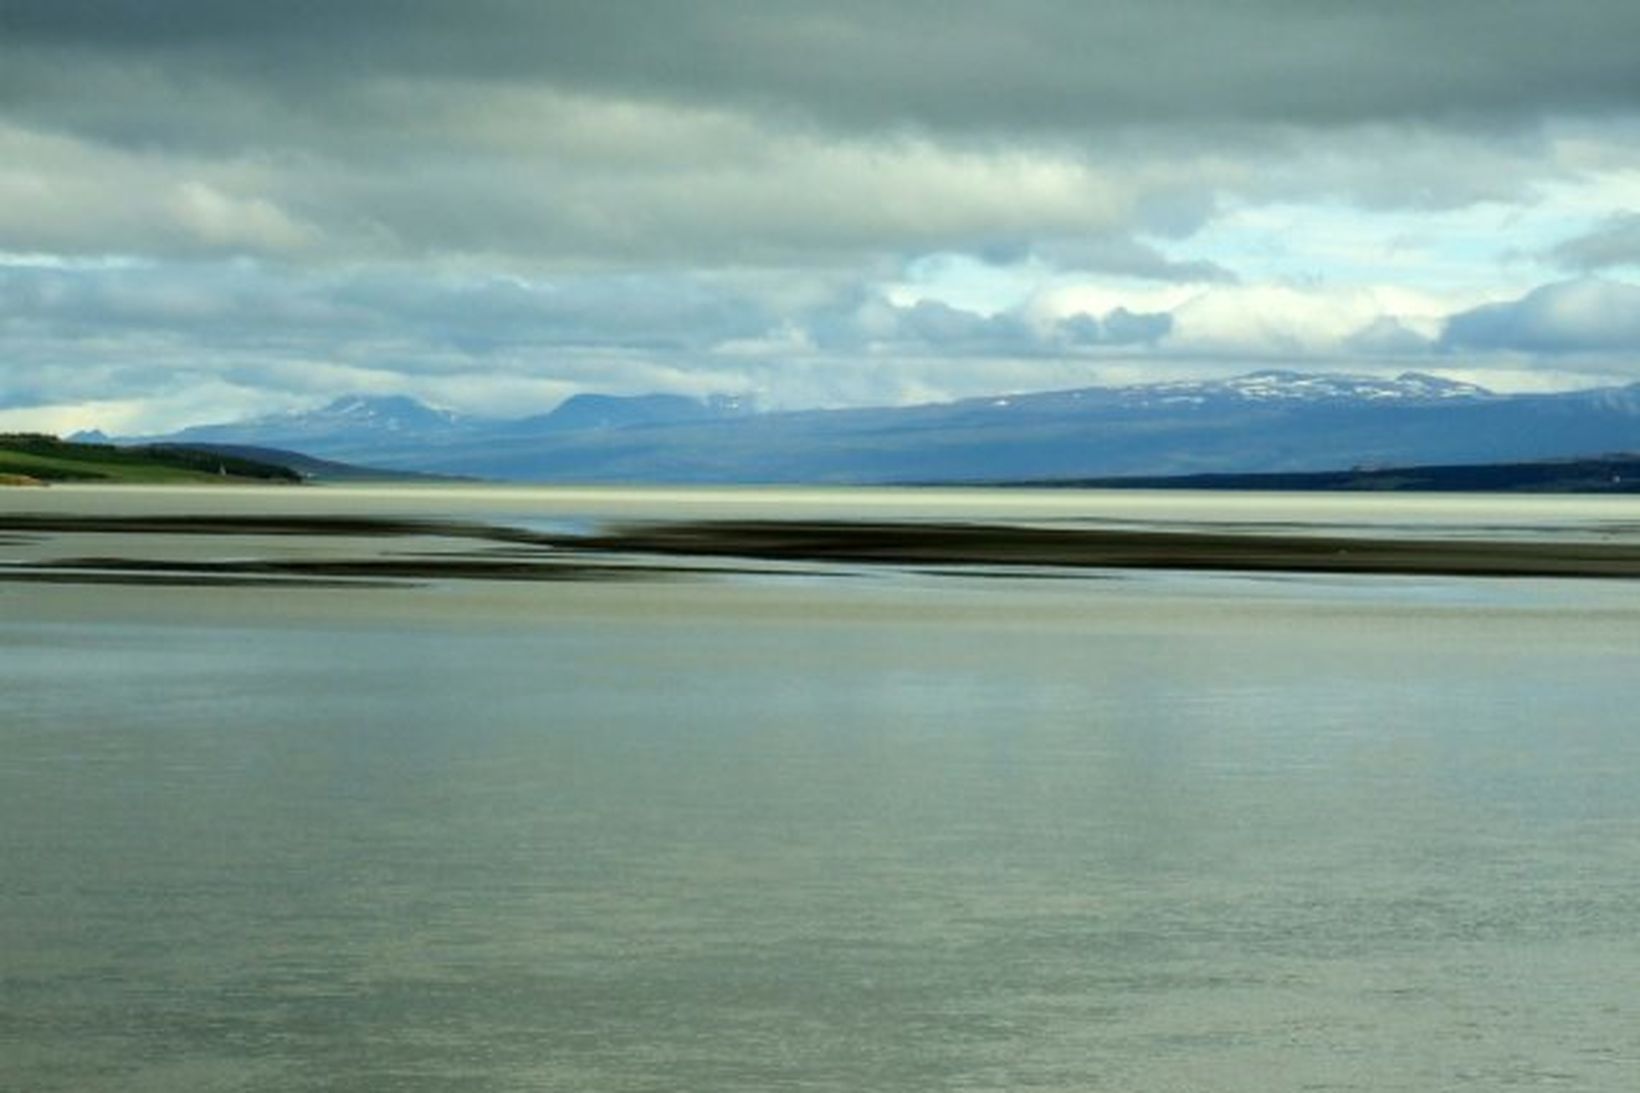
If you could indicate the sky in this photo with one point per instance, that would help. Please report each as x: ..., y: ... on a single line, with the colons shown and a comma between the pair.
x: 212, y: 209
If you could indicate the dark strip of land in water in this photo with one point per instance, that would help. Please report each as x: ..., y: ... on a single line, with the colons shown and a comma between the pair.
x: 971, y: 544
x: 504, y: 553
x: 1604, y: 474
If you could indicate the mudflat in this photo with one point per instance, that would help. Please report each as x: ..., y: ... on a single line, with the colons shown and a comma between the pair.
x: 68, y: 547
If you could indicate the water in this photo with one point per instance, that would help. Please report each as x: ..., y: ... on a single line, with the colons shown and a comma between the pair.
x: 826, y: 830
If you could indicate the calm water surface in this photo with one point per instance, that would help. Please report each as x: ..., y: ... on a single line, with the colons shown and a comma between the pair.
x: 831, y: 830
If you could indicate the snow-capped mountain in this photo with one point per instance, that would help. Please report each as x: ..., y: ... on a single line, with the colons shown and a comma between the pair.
x: 401, y: 432
x: 386, y: 413
x: 1264, y: 421
x: 1285, y: 386
x: 593, y: 411
x: 347, y: 421
x: 1268, y: 387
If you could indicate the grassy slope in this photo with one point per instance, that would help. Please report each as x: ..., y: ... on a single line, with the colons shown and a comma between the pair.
x: 52, y: 460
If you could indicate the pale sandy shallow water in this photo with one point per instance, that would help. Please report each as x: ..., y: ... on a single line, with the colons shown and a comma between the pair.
x: 822, y: 828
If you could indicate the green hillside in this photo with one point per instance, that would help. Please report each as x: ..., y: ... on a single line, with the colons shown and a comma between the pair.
x: 48, y: 459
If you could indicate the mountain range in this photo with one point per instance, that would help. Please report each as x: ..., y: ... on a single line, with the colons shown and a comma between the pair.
x: 1268, y: 421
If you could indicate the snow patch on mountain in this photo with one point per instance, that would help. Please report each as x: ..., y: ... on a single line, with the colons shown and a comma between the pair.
x: 1276, y: 385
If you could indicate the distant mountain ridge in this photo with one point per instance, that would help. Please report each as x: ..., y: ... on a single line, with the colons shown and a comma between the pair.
x: 594, y: 411
x: 1289, y: 386
x: 346, y: 420
x: 358, y: 428
x: 1267, y: 421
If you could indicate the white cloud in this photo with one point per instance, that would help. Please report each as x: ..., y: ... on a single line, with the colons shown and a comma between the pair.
x: 1583, y: 316
x: 1387, y: 336
x: 60, y: 196
x: 1288, y: 322
x: 225, y: 222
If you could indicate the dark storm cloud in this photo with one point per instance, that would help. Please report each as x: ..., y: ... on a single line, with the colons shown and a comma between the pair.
x: 761, y: 132
x: 970, y: 65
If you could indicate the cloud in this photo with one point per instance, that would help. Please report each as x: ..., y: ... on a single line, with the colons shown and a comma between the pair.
x: 92, y: 332
x: 713, y: 190
x: 1387, y: 336
x: 1128, y: 257
x: 731, y: 132
x: 499, y: 201
x: 1119, y: 327
x: 942, y: 326
x: 1615, y: 242
x: 871, y: 324
x: 1293, y: 322
x: 1582, y: 316
x: 944, y: 65
x: 238, y: 302
x: 62, y: 195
